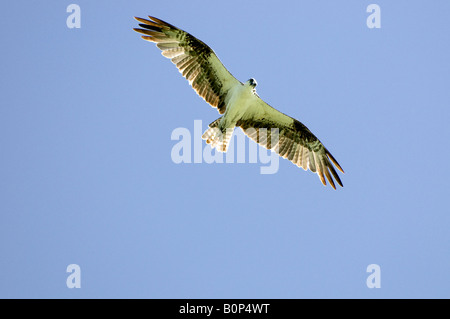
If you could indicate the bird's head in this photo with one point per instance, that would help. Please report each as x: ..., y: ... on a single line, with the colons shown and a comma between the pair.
x: 252, y: 82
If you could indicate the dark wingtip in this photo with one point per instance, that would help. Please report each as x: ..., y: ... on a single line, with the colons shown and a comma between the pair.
x: 150, y: 27
x: 162, y: 22
x: 334, y: 161
x: 339, y: 180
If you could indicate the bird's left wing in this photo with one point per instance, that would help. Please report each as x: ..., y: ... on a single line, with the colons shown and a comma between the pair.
x: 195, y: 60
x: 293, y: 141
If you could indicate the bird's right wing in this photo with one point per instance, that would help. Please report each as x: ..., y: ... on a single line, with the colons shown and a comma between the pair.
x: 294, y: 141
x: 196, y: 61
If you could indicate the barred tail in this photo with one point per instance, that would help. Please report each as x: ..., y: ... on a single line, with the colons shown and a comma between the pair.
x: 214, y: 136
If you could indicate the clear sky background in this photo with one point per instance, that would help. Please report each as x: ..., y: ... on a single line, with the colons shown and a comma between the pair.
x: 86, y: 175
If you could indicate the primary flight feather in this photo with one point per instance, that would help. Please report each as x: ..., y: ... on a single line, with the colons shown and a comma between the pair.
x: 238, y: 102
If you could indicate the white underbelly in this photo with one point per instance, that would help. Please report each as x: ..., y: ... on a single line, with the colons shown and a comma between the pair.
x: 240, y: 100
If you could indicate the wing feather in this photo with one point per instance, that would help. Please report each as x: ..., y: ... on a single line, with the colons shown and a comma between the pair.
x: 296, y: 154
x: 195, y: 60
x: 295, y: 141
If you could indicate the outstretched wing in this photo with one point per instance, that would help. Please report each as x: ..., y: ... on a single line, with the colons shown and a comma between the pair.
x: 194, y: 59
x: 294, y: 140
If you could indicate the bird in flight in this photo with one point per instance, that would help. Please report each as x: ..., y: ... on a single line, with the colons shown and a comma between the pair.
x: 238, y: 103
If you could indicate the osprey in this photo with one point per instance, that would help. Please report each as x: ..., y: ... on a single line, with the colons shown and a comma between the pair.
x: 238, y: 102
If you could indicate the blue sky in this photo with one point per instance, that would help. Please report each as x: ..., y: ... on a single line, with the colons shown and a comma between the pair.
x: 86, y: 175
